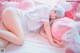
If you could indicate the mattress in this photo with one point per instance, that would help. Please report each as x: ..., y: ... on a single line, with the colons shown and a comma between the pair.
x: 34, y: 43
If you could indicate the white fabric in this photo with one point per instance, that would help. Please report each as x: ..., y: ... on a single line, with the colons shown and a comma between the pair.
x: 73, y: 38
x: 35, y: 17
x: 78, y: 26
x: 77, y: 15
x: 34, y: 43
x: 9, y: 4
x: 66, y: 5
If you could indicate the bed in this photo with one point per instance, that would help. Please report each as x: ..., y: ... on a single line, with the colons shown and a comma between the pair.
x: 34, y: 43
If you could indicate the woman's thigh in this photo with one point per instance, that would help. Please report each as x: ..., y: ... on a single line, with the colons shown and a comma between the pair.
x: 10, y: 18
x: 3, y: 43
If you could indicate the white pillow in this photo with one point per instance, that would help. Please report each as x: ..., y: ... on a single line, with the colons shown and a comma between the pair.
x: 61, y: 26
x: 66, y: 5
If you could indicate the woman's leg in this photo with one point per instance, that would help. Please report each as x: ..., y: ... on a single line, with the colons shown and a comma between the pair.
x: 3, y: 43
x: 11, y: 37
x: 10, y: 19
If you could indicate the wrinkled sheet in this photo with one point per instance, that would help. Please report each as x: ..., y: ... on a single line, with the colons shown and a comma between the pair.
x: 34, y: 43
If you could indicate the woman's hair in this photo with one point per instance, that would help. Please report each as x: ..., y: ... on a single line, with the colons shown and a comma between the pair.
x: 60, y: 11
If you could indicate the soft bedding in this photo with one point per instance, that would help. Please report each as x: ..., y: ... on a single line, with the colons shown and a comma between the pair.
x: 34, y: 43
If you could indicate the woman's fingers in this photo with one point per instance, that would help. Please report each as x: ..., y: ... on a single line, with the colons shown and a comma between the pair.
x: 57, y: 45
x: 60, y: 43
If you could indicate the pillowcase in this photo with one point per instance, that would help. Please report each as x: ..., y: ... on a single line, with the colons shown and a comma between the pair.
x: 61, y: 26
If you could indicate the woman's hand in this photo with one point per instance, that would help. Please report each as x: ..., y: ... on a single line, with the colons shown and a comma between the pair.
x: 61, y: 44
x: 55, y: 43
x: 48, y: 34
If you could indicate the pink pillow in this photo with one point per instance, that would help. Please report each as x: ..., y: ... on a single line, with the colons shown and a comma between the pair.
x: 60, y: 26
x: 4, y: 5
x: 1, y: 0
x: 21, y: 4
x: 26, y: 4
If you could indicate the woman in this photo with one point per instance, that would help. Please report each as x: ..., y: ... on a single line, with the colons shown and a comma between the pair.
x: 12, y: 36
x: 7, y: 35
x: 15, y: 21
x: 4, y: 32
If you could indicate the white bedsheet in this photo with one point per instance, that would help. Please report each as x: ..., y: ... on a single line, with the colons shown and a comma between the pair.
x: 34, y: 43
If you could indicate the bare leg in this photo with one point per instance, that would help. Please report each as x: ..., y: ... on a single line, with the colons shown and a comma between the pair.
x: 10, y: 37
x: 3, y: 43
x: 10, y: 19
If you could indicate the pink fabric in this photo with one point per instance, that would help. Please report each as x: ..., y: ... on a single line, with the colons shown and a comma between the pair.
x: 59, y: 27
x: 22, y: 4
x: 18, y: 0
x: 1, y: 0
x: 71, y: 14
x: 1, y: 9
x: 26, y: 4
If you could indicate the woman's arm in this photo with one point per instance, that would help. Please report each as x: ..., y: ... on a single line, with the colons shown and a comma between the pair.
x: 42, y: 33
x: 49, y: 35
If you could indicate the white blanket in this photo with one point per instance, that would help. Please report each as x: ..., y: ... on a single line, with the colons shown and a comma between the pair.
x: 34, y: 43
